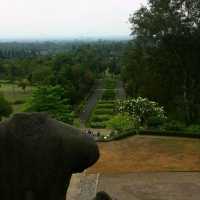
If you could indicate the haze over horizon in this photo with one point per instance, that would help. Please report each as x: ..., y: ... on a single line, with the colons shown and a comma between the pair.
x: 61, y: 19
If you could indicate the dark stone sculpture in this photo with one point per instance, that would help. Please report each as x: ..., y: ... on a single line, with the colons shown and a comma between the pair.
x: 38, y: 155
x: 102, y: 196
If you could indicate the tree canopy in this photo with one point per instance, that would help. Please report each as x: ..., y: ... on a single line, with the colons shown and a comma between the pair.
x: 162, y: 61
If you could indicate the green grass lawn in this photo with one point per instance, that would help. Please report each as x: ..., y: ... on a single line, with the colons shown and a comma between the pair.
x: 13, y: 93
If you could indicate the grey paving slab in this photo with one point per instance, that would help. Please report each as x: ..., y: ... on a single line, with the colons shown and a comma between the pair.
x: 82, y: 187
x: 151, y: 186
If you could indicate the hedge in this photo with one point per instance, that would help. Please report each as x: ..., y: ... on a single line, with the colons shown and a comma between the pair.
x: 102, y: 106
x: 110, y: 84
x: 106, y: 101
x: 109, y: 95
x: 132, y: 132
x: 97, y: 125
x: 100, y: 118
x: 170, y: 133
x: 117, y: 136
x: 103, y: 111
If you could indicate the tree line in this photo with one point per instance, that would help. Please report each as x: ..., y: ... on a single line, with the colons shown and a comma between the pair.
x: 74, y: 69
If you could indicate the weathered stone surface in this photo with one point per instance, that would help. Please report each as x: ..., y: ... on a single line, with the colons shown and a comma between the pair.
x: 38, y: 156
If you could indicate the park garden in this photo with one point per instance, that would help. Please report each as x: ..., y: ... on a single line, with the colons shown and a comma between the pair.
x: 115, y: 118
x: 158, y: 69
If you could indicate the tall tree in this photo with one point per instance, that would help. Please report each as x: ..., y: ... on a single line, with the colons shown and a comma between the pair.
x: 164, y: 60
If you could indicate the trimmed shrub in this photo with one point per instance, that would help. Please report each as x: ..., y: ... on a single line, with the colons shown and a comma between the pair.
x: 116, y: 135
x: 103, y: 111
x: 100, y: 118
x: 195, y: 128
x: 106, y: 101
x: 110, y: 84
x: 169, y: 133
x: 122, y: 122
x: 109, y: 95
x: 97, y: 125
x: 108, y: 105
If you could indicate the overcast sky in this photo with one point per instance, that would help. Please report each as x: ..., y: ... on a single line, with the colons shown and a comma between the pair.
x: 66, y: 18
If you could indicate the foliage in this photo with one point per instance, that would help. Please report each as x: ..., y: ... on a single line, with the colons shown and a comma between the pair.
x: 106, y: 101
x: 108, y: 95
x: 162, y: 61
x: 122, y: 122
x: 105, y: 105
x: 141, y: 110
x: 72, y: 65
x: 174, y: 126
x: 110, y: 83
x: 97, y: 125
x: 51, y: 99
x: 5, y: 107
x: 117, y: 135
x: 193, y: 129
x: 170, y: 133
x: 100, y: 118
x: 104, y: 111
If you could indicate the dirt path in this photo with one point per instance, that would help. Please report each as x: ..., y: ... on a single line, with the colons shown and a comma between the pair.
x: 148, y: 154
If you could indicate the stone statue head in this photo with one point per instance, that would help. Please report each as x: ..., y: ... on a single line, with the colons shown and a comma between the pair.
x: 38, y: 155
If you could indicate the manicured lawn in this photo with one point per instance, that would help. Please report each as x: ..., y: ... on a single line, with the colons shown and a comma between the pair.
x: 148, y: 154
x: 13, y: 93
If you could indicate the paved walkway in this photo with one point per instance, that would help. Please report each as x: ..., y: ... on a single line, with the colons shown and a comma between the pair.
x: 121, y: 94
x: 151, y: 186
x: 137, y: 186
x: 82, y: 187
x: 85, y: 114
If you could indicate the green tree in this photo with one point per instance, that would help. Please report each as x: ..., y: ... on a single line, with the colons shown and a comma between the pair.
x: 51, y: 99
x: 5, y: 107
x: 163, y: 62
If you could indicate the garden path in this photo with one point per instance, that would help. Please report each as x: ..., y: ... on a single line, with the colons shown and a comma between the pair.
x: 121, y: 94
x: 85, y: 114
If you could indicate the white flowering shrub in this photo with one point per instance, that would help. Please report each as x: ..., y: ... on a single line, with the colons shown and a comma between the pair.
x: 142, y: 110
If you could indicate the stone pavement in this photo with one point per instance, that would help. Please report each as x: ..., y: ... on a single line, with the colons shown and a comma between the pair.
x: 151, y: 186
x: 137, y: 186
x: 82, y: 187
